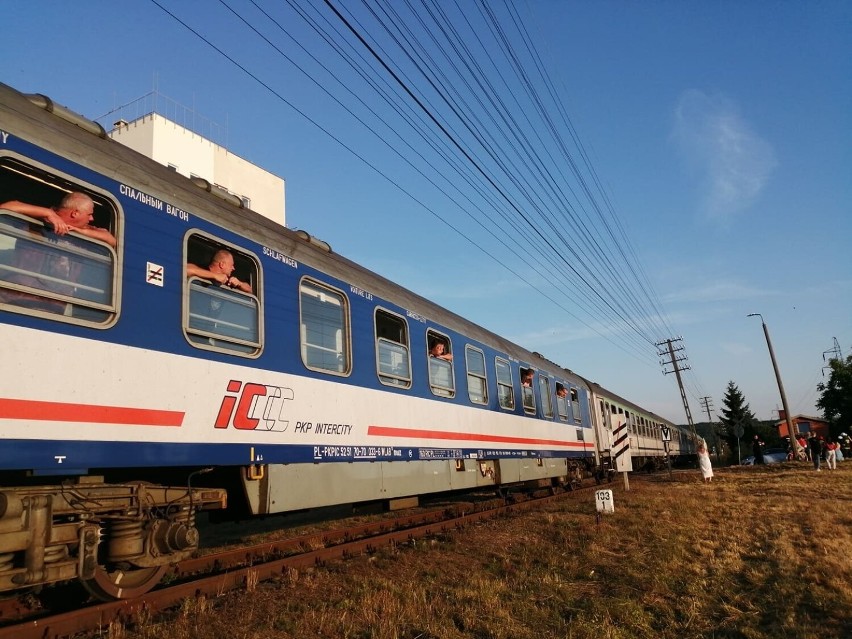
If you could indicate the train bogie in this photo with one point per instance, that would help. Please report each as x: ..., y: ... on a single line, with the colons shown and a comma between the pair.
x: 93, y: 531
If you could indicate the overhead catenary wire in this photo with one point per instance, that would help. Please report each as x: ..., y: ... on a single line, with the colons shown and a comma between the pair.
x: 532, y: 205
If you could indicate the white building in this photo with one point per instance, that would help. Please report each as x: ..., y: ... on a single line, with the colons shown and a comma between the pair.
x: 192, y: 155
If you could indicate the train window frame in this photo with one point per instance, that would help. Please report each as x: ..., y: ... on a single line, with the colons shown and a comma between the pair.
x: 439, y: 367
x: 528, y: 396
x: 504, y: 388
x: 574, y: 394
x: 195, y: 289
x: 546, y: 397
x: 36, y: 183
x: 475, y: 378
x: 385, y: 344
x: 343, y: 345
x: 561, y: 403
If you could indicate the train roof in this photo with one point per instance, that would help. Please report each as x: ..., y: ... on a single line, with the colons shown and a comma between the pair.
x: 603, y: 392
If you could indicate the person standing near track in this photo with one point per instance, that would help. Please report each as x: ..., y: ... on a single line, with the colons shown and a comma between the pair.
x: 814, y: 449
x: 757, y: 450
x: 704, y: 463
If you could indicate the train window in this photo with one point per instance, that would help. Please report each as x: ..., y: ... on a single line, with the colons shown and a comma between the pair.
x: 505, y: 390
x: 70, y: 277
x: 575, y: 405
x: 324, y: 324
x: 546, y: 399
x: 477, y: 382
x: 562, y: 401
x: 580, y: 436
x: 392, y: 350
x: 221, y: 308
x: 527, y: 392
x: 441, y: 378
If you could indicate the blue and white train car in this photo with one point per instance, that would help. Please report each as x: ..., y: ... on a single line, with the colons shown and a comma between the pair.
x: 129, y: 388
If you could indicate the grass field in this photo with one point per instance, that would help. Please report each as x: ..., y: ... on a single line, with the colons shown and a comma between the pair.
x: 761, y: 552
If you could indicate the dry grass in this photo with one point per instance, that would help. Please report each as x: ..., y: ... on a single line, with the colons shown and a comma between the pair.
x: 761, y: 552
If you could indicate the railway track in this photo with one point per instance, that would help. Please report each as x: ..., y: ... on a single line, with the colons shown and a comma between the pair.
x: 214, y: 574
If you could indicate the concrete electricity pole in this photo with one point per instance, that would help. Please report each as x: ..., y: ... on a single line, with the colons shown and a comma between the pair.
x: 674, y: 362
x: 708, y: 406
x: 790, y: 427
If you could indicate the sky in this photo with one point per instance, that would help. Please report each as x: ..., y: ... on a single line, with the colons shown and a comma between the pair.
x: 705, y: 170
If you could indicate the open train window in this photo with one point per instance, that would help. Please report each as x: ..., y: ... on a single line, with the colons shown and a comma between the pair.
x: 546, y: 399
x: 392, y: 351
x: 505, y: 389
x: 575, y: 405
x: 324, y: 327
x: 527, y: 392
x: 441, y: 378
x: 71, y: 277
x: 562, y: 401
x: 221, y: 304
x: 477, y: 382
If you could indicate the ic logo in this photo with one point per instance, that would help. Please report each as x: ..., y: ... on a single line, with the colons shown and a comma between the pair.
x: 258, y: 407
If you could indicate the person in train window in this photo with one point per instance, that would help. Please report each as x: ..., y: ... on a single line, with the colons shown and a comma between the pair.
x: 74, y: 214
x: 562, y: 392
x: 438, y: 349
x: 527, y: 377
x: 41, y: 266
x: 220, y: 271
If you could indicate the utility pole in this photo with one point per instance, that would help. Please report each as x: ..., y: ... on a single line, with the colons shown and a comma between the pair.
x: 708, y: 406
x: 794, y: 444
x: 674, y: 362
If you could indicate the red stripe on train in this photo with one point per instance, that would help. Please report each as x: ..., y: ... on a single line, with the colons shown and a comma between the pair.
x: 92, y: 413
x: 390, y: 431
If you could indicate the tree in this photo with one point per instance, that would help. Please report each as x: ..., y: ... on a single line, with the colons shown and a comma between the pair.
x: 836, y: 397
x: 735, y: 411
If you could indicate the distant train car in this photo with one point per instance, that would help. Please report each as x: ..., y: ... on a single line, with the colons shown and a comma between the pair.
x: 166, y: 351
x: 625, y: 428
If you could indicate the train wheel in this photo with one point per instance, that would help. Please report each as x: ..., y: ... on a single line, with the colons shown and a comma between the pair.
x: 123, y: 584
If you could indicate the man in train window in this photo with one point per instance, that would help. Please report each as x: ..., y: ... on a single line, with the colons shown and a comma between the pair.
x: 41, y: 263
x: 220, y: 270
x: 438, y: 349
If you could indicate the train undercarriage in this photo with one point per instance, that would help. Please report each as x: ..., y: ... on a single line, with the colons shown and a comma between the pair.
x: 116, y: 539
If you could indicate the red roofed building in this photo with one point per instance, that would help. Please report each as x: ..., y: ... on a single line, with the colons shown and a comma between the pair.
x: 803, y: 424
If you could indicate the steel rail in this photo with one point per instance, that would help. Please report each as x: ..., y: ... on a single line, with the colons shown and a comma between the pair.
x: 374, y: 536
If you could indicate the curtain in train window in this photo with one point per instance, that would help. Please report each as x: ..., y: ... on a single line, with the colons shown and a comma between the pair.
x: 392, y: 350
x: 546, y: 400
x: 505, y: 391
x: 69, y: 275
x: 324, y: 328
x: 477, y: 384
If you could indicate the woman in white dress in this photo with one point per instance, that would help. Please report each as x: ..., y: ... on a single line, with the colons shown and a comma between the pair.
x: 704, y: 463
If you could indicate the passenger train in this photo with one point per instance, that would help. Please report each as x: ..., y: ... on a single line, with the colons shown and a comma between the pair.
x: 135, y: 394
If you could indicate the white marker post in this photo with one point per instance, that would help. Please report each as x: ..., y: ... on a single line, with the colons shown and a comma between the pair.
x: 604, y: 501
x: 666, y: 434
